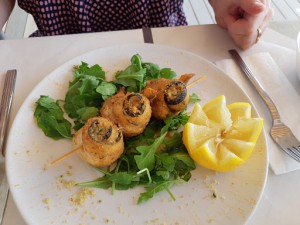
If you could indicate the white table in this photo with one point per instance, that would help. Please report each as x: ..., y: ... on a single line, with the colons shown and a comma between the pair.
x: 35, y: 58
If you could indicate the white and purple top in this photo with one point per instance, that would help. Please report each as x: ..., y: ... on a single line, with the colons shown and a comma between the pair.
x: 57, y: 17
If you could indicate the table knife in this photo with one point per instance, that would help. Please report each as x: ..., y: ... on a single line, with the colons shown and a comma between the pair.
x: 5, y: 105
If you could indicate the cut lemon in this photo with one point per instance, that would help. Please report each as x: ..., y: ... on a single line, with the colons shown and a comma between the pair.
x: 198, y: 116
x: 239, y: 110
x: 217, y: 111
x: 240, y: 148
x: 198, y: 134
x: 217, y: 143
x: 246, y: 129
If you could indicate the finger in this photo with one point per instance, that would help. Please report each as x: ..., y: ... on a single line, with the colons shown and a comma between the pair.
x: 267, y: 19
x: 243, y: 37
x: 244, y: 32
x: 251, y: 11
x: 253, y: 7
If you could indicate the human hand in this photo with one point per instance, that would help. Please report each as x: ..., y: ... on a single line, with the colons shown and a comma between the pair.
x: 245, y: 20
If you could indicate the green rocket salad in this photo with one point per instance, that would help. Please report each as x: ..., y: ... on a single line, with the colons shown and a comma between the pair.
x: 156, y: 159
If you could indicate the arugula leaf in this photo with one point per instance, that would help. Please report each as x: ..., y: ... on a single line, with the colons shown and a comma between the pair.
x: 86, y: 93
x: 131, y: 84
x: 184, y: 174
x: 146, y: 159
x: 164, y: 174
x: 165, y: 161
x: 175, y: 141
x: 194, y: 98
x: 134, y: 77
x: 120, y: 181
x: 87, y: 112
x: 50, y: 118
x: 106, y: 89
x: 136, y: 60
x: 84, y: 69
x: 82, y: 94
x: 102, y: 182
x: 167, y: 73
x: 152, y: 71
x: 151, y: 190
x: 175, y: 121
x: 123, y: 177
x: 185, y: 158
x: 131, y: 73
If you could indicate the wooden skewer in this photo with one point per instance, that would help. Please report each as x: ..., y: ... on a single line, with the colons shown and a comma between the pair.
x: 196, y: 81
x: 65, y: 155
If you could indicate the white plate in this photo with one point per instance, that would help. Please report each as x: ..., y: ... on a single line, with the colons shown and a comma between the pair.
x: 298, y: 55
x: 43, y: 199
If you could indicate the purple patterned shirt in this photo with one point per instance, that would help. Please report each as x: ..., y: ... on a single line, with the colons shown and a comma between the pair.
x: 56, y: 17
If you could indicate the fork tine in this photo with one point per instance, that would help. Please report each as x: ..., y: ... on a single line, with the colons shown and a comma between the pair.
x: 295, y: 151
x: 292, y: 154
x: 297, y: 148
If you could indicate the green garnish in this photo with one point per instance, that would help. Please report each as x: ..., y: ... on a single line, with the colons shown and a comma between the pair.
x: 194, y: 98
x: 156, y: 159
x: 50, y: 118
x: 84, y: 97
x: 135, y: 76
x: 164, y: 157
x: 146, y: 158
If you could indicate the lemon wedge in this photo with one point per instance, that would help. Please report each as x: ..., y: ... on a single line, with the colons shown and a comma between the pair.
x: 217, y: 111
x: 239, y: 110
x: 221, y: 137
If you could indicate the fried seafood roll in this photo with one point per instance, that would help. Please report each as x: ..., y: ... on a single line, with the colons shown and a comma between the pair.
x: 101, y: 142
x: 131, y: 111
x: 167, y: 97
x: 176, y: 96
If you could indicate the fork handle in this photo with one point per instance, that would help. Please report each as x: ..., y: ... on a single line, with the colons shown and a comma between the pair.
x: 269, y: 102
x: 5, y: 105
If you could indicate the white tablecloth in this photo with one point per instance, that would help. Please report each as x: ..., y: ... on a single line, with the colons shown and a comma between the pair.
x: 35, y: 58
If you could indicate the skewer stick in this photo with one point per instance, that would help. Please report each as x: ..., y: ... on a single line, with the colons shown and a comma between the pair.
x: 65, y: 155
x: 196, y: 81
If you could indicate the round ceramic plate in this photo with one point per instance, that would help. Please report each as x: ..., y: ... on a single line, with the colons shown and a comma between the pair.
x: 44, y: 195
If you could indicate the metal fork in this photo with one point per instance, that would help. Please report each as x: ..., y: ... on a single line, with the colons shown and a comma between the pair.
x: 5, y: 106
x: 281, y: 134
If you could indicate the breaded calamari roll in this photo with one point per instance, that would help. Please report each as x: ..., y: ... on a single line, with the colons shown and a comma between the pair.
x: 101, y: 142
x: 131, y: 111
x: 167, y: 97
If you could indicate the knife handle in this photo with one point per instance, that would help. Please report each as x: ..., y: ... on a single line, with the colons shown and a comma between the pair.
x: 6, y: 100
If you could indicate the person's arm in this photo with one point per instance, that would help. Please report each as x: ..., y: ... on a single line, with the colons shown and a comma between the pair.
x: 6, y: 7
x: 244, y: 19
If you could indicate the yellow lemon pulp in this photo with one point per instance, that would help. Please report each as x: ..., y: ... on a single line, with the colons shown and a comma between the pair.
x: 221, y: 137
x: 217, y: 111
x: 239, y: 110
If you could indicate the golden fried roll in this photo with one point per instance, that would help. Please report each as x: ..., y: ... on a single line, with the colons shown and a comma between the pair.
x: 167, y: 97
x: 101, y: 142
x: 131, y: 111
x: 185, y: 78
x: 176, y: 96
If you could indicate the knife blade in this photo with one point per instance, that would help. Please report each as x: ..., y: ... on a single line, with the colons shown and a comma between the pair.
x: 3, y: 189
x: 5, y: 106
